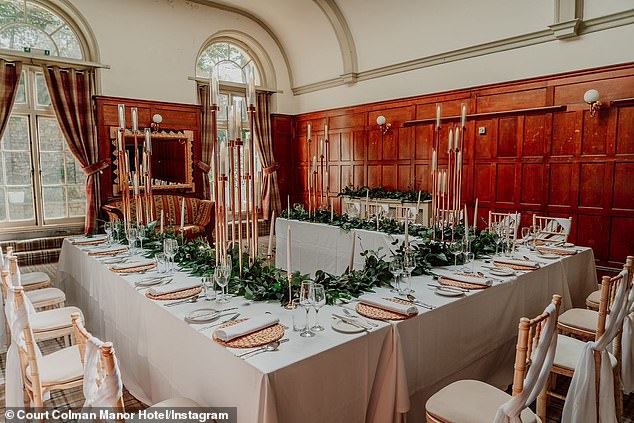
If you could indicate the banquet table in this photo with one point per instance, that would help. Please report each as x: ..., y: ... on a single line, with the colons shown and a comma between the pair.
x: 384, y: 375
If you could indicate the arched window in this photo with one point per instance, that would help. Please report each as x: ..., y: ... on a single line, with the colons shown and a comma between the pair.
x: 26, y: 26
x: 230, y: 60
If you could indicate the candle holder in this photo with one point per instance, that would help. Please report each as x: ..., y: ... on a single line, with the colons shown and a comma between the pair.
x: 290, y: 305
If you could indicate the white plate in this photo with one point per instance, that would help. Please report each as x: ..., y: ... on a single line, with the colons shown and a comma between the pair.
x: 549, y: 256
x: 149, y: 282
x: 445, y: 292
x: 343, y: 327
x: 568, y: 245
x: 202, y: 315
x: 500, y: 271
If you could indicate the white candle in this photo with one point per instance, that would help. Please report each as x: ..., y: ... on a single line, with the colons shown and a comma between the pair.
x: 456, y: 143
x: 326, y: 131
x: 438, y: 113
x: 407, y: 229
x: 377, y: 222
x: 321, y: 147
x: 183, y: 213
x: 310, y: 131
x: 231, y: 123
x: 466, y: 221
x: 459, y: 159
x: 251, y: 98
x: 475, y: 216
x: 148, y: 140
x: 162, y: 220
x: 354, y: 244
x: 444, y: 182
x: 367, y: 201
x: 119, y: 141
x: 135, y: 118
x: 214, y: 86
x: 121, y: 113
x: 314, y: 164
x: 288, y: 206
x: 450, y: 141
x: 136, y: 183
x: 332, y: 209
x: 434, y: 161
x: 237, y: 116
x: 463, y: 117
x: 288, y: 249
x: 418, y: 202
x: 269, y: 250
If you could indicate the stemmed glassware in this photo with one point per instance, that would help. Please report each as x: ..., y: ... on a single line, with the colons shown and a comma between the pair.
x: 319, y: 302
x: 526, y: 232
x: 409, y: 264
x: 455, y: 248
x: 170, y: 247
x: 132, y: 235
x: 221, y: 276
x: 396, y: 268
x: 535, y: 233
x: 307, y: 300
x: 107, y: 227
x: 141, y: 235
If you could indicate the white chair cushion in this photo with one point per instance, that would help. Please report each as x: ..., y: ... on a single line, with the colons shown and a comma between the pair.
x: 62, y: 366
x: 594, y: 298
x: 46, y: 295
x: 471, y: 401
x: 33, y: 278
x: 580, y: 318
x: 53, y: 319
x: 176, y: 403
x: 568, y: 352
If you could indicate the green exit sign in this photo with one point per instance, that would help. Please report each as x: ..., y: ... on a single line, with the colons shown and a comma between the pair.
x: 27, y: 49
x: 47, y: 52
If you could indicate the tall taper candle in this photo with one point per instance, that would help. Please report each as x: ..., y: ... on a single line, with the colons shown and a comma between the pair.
x: 269, y: 249
x: 463, y: 117
x: 183, y: 213
x: 438, y: 113
x: 466, y: 222
x: 434, y: 161
x: 119, y: 142
x: 475, y: 216
x: 288, y: 248
x: 407, y: 229
x: 367, y: 202
x: 135, y: 118
x: 418, y: 202
x: 162, y: 220
x: 213, y: 86
x: 309, y: 130
x: 121, y: 114
x: 332, y: 209
x: 251, y: 97
x: 288, y: 206
x: 450, y: 141
x: 456, y: 143
x: 148, y: 140
x: 326, y: 131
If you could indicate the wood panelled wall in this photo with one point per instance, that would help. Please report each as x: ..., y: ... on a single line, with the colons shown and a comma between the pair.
x: 175, y: 116
x: 561, y: 163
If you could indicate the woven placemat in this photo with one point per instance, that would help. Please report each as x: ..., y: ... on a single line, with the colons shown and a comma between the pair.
x: 134, y: 269
x: 178, y: 295
x: 253, y: 339
x: 514, y: 266
x: 378, y: 313
x: 460, y: 284
x: 90, y: 242
x: 557, y: 252
x: 109, y: 252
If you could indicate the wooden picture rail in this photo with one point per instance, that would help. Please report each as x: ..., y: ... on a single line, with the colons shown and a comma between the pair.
x: 561, y: 108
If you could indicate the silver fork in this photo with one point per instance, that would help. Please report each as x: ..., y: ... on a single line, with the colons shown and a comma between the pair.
x: 348, y: 313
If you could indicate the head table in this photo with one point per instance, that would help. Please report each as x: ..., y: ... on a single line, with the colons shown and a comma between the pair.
x: 384, y: 375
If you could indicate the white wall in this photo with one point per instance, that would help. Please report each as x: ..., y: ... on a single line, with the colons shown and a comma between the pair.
x: 152, y: 45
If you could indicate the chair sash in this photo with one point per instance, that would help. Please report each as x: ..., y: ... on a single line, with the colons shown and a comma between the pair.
x: 18, y: 319
x: 537, y: 375
x: 580, y: 406
x: 554, y: 225
x: 627, y: 361
x: 99, y: 392
x: 4, y: 261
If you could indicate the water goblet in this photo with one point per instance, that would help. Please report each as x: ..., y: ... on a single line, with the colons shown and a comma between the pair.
x: 209, y: 287
x: 141, y: 234
x: 161, y: 264
x: 455, y: 248
x: 132, y: 235
x: 526, y: 231
x: 307, y: 300
x: 409, y: 264
x: 469, y: 263
x: 319, y: 302
x: 107, y: 227
x: 395, y: 268
x: 220, y: 276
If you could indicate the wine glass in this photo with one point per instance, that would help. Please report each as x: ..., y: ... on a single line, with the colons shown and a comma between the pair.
x: 526, y: 231
x: 220, y: 276
x: 535, y: 232
x: 228, y: 269
x: 132, y: 235
x: 141, y: 235
x: 170, y: 246
x: 307, y: 300
x: 455, y: 248
x: 319, y: 302
x: 107, y: 227
x: 409, y: 264
x: 396, y: 267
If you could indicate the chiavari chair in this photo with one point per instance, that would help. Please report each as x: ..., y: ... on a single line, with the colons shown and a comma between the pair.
x: 593, y: 300
x: 32, y: 280
x: 477, y: 402
x: 511, y: 221
x: 42, y: 296
x: 552, y: 229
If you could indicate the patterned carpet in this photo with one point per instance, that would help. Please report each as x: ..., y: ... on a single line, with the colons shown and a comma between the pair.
x: 74, y: 397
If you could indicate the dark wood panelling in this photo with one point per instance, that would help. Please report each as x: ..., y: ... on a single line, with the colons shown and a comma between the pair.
x: 562, y: 163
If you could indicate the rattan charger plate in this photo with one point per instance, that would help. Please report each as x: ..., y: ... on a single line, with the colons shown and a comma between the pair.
x: 178, y: 295
x: 460, y: 284
x: 377, y: 313
x: 558, y: 252
x: 90, y: 242
x: 136, y: 269
x: 109, y: 252
x: 514, y: 266
x: 253, y: 339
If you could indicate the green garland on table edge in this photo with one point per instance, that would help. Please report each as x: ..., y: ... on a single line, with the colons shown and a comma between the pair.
x: 380, y: 192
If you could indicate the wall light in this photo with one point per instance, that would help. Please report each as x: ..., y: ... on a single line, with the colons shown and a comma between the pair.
x: 381, y: 121
x: 592, y: 98
x: 156, y: 122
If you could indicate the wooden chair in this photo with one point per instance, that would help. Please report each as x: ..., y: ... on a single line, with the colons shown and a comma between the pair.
x: 510, y: 220
x: 47, y: 324
x: 42, y: 297
x: 32, y: 280
x: 552, y: 229
x: 569, y: 351
x: 582, y: 322
x: 593, y: 300
x: 59, y: 370
x: 477, y: 402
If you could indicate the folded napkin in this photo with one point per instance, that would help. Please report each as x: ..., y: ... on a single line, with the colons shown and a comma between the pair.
x: 107, y: 251
x: 464, y: 278
x: 517, y: 262
x: 244, y: 328
x: 560, y: 250
x: 88, y: 239
x: 132, y: 264
x: 171, y: 288
x: 374, y: 301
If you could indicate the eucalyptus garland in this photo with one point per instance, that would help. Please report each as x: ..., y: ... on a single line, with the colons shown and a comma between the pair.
x: 380, y: 192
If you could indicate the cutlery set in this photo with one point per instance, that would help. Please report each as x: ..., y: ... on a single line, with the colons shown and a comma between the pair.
x: 270, y: 347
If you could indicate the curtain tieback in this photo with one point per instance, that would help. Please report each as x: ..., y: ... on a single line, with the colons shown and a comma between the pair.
x: 96, y: 167
x: 204, y: 167
x: 271, y: 169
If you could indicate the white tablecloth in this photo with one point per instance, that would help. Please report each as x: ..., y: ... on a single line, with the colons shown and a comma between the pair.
x: 332, y: 377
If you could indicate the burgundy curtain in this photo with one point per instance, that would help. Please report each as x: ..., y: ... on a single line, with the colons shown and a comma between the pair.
x: 9, y: 80
x: 71, y: 93
x: 264, y: 143
x: 204, y: 164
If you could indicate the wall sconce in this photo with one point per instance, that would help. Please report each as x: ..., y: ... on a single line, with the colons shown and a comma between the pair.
x: 156, y: 122
x: 380, y: 120
x: 592, y: 98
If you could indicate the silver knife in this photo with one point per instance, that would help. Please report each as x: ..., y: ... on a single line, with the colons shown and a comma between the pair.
x: 230, y: 319
x: 351, y: 322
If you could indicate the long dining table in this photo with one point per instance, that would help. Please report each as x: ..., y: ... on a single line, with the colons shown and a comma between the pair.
x: 381, y: 375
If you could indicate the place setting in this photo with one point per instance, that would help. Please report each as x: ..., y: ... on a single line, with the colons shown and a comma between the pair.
x: 133, y: 266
